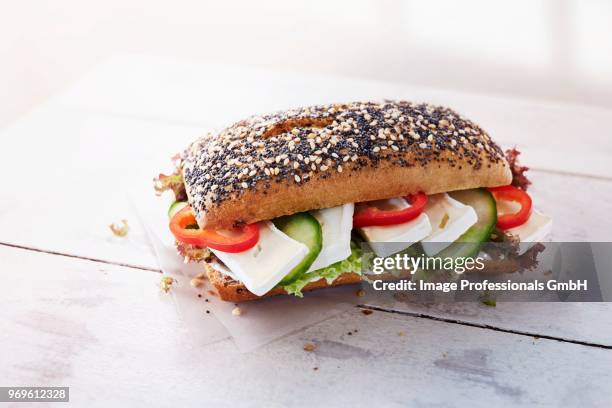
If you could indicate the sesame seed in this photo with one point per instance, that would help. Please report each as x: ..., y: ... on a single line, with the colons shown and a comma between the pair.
x: 297, y: 178
x: 354, y: 132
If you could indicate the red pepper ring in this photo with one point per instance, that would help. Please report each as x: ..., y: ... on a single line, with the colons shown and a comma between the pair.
x: 184, y: 228
x: 372, y: 216
x: 511, y: 193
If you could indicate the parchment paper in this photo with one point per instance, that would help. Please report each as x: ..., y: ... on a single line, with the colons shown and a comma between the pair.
x: 260, y: 321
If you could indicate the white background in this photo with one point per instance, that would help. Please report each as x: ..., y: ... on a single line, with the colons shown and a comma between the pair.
x: 559, y: 50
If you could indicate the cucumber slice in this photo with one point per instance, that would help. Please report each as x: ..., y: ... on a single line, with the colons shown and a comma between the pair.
x: 483, y: 203
x: 304, y: 228
x: 176, y: 207
x: 468, y: 244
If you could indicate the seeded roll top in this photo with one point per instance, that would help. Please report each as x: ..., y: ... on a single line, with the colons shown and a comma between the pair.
x: 322, y: 156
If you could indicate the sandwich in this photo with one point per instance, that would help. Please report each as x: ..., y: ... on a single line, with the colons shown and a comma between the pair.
x: 283, y: 203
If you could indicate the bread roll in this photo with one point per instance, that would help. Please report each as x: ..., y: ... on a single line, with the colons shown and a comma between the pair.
x: 323, y: 156
x: 230, y: 290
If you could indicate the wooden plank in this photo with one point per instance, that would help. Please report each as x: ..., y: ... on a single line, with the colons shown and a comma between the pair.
x: 118, y: 155
x: 57, y: 229
x: 563, y: 198
x: 105, y: 332
x: 119, y: 152
x: 76, y: 181
x: 576, y: 322
x: 554, y: 137
x: 576, y: 204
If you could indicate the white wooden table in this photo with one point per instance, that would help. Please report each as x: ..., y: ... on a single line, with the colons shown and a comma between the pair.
x: 81, y: 308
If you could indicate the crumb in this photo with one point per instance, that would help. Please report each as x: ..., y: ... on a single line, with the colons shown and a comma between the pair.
x: 201, y: 276
x: 206, y: 300
x: 309, y: 347
x: 166, y: 283
x: 360, y: 293
x: 401, y: 334
x: 196, y: 282
x: 444, y: 221
x: 315, y: 368
x: 208, y: 312
x: 367, y: 312
x: 236, y: 311
x: 199, y: 295
x: 120, y: 230
x: 400, y: 297
x: 490, y: 303
x: 212, y: 293
x: 350, y: 333
x: 488, y: 300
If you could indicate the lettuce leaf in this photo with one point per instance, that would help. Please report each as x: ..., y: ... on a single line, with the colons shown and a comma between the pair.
x: 329, y: 273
